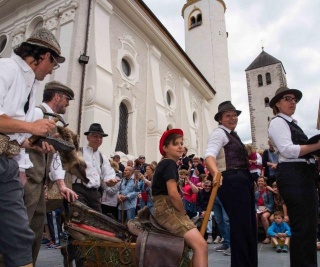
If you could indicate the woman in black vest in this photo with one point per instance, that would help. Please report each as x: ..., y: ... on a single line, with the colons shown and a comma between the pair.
x: 226, y: 153
x: 296, y: 176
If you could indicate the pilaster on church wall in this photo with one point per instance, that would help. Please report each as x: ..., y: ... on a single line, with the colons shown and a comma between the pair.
x: 157, y: 124
x: 99, y: 92
x: 18, y: 36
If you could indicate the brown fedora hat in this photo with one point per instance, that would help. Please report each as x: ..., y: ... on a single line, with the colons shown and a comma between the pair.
x: 283, y: 91
x: 223, y: 107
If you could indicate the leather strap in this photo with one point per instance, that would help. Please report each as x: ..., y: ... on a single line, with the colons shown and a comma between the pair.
x: 143, y: 248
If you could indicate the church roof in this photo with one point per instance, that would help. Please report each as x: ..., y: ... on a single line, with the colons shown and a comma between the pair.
x: 264, y: 59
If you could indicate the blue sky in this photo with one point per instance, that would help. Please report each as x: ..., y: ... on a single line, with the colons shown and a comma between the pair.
x: 290, y: 32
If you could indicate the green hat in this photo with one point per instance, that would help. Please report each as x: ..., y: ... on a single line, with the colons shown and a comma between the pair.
x: 57, y: 86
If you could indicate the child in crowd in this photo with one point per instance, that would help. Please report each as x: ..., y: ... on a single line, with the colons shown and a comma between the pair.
x: 168, y: 207
x: 280, y: 232
x: 189, y: 194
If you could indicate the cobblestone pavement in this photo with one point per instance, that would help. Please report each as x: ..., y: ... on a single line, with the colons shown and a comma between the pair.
x: 266, y: 254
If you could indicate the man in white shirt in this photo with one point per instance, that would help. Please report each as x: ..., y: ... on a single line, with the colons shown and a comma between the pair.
x: 38, y: 56
x: 56, y: 97
x: 98, y: 170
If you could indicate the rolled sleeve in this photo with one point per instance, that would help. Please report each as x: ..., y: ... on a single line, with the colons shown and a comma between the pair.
x: 56, y: 170
x: 107, y: 171
x: 279, y: 132
x: 217, y: 139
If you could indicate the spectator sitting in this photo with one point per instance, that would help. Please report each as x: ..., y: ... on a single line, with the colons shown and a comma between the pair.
x: 202, y: 203
x: 196, y: 169
x: 189, y: 191
x: 279, y: 204
x: 264, y: 205
x: 280, y: 232
x: 202, y: 179
x: 255, y: 162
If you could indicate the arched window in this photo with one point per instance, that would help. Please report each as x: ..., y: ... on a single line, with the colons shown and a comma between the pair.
x: 260, y: 82
x: 122, y: 141
x: 266, y: 102
x: 199, y: 19
x: 192, y: 22
x: 268, y: 78
x: 195, y: 18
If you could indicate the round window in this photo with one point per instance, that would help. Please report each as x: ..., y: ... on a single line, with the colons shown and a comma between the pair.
x: 195, y: 118
x: 3, y: 42
x: 168, y: 98
x: 126, y: 67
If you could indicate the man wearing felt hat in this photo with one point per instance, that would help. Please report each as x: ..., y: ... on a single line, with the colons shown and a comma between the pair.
x: 47, y: 168
x: 226, y: 153
x: 98, y: 171
x: 20, y: 74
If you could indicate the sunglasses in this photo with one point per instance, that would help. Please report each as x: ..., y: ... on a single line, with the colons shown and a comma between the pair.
x: 142, y: 158
x: 289, y: 99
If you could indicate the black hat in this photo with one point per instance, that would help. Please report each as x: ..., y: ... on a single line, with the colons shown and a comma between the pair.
x: 283, y: 91
x: 225, y: 106
x: 96, y: 128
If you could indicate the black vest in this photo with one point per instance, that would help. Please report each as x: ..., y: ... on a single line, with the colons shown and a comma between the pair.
x: 298, y: 137
x: 235, y: 153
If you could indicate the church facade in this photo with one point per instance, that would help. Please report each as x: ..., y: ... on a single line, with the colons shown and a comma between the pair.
x: 127, y: 71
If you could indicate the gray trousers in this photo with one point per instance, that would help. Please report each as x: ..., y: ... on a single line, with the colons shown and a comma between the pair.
x: 16, y: 237
x: 36, y: 210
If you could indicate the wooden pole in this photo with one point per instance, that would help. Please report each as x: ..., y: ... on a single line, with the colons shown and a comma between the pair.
x: 210, y: 203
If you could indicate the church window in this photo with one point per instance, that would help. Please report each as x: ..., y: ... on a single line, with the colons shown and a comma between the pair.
x: 266, y: 102
x: 193, y: 22
x: 168, y: 98
x: 126, y: 67
x: 36, y: 23
x: 195, y: 118
x: 3, y: 42
x: 268, y: 78
x: 122, y: 141
x: 260, y: 82
x: 199, y: 19
x: 195, y: 19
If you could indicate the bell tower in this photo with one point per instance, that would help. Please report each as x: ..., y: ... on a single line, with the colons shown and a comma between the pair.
x: 264, y: 76
x: 206, y: 43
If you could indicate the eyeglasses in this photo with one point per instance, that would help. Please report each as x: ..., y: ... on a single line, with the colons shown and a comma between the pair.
x: 56, y: 65
x: 68, y: 98
x: 289, y: 99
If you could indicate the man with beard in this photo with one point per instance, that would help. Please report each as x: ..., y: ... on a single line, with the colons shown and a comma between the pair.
x: 56, y: 98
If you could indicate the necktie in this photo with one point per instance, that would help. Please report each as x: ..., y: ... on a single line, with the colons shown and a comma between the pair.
x: 26, y: 106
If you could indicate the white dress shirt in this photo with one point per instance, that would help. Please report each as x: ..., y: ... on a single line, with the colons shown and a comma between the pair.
x: 280, y: 135
x: 94, y: 172
x: 17, y: 81
x: 217, y: 139
x: 56, y: 170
